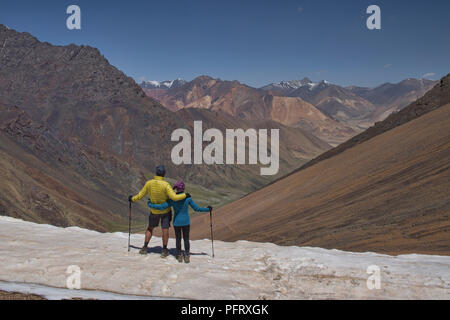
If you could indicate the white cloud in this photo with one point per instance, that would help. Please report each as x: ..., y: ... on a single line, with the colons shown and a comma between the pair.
x: 142, y: 78
x: 429, y: 75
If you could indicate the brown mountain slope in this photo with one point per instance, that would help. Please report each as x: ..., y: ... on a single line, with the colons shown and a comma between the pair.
x: 248, y: 103
x: 48, y: 181
x: 157, y: 94
x: 33, y: 191
x: 433, y: 99
x: 295, y: 112
x: 388, y: 194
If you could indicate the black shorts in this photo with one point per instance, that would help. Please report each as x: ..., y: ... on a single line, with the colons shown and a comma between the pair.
x: 165, y: 218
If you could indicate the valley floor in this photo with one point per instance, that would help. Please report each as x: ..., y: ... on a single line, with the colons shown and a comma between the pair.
x: 41, y: 254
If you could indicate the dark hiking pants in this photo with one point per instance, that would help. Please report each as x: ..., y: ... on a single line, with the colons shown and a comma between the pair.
x: 182, y: 231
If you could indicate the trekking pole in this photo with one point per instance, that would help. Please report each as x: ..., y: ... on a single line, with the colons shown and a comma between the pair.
x: 129, y: 228
x: 212, y: 238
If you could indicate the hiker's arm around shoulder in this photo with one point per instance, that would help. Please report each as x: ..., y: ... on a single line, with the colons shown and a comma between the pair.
x: 161, y: 206
x: 196, y: 207
x: 141, y: 193
x: 173, y: 196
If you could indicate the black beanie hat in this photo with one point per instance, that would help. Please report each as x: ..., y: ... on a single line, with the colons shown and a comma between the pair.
x: 160, y: 171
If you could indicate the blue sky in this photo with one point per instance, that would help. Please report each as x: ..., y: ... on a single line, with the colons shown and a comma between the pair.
x: 254, y: 42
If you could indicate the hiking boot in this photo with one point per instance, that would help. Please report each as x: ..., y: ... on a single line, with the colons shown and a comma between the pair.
x: 143, y: 250
x: 187, y: 258
x: 164, y: 253
x: 180, y: 257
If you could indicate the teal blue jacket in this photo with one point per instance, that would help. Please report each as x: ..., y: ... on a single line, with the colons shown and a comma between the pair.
x: 180, y: 208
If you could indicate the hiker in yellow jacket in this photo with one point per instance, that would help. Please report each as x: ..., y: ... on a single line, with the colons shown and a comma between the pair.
x: 159, y: 191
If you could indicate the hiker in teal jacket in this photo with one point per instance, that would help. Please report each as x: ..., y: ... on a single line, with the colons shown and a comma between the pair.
x: 181, y: 221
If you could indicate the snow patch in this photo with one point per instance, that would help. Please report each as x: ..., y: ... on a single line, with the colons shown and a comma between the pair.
x: 40, y: 254
x: 167, y: 84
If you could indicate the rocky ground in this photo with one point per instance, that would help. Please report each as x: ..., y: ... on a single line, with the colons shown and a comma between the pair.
x: 5, y: 295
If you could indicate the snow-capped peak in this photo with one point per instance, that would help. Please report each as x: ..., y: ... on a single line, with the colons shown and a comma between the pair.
x: 152, y: 82
x: 167, y: 84
x: 296, y: 84
x: 312, y: 85
x: 293, y: 84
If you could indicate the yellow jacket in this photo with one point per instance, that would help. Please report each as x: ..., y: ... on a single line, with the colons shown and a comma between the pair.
x: 159, y: 191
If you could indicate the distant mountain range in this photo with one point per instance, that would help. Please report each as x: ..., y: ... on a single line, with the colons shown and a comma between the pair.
x: 358, y: 107
x: 244, y: 102
x: 389, y: 97
x: 354, y: 108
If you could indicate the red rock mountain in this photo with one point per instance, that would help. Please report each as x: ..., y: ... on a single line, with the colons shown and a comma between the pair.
x: 248, y: 103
